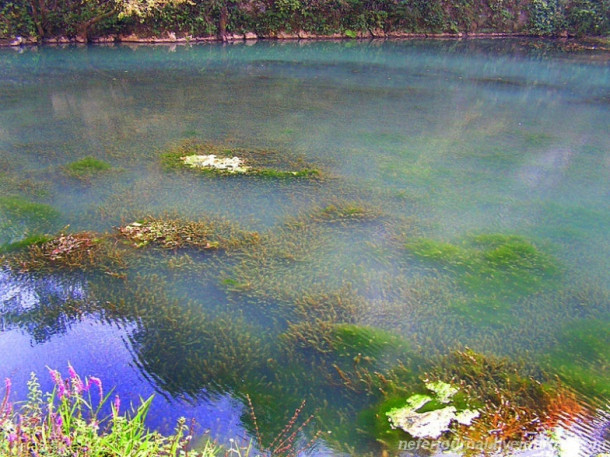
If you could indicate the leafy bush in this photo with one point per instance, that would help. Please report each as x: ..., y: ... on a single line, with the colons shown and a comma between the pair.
x: 546, y: 17
x: 586, y: 17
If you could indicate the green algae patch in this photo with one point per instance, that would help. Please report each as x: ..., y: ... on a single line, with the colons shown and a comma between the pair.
x: 26, y: 242
x: 500, y: 264
x: 21, y: 218
x: 20, y: 210
x: 582, y: 358
x: 349, y: 340
x: 87, y: 168
x: 214, y: 159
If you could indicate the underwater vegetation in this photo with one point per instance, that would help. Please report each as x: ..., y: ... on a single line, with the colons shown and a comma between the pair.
x: 174, y: 233
x: 505, y: 264
x: 28, y: 185
x: 87, y: 168
x: 493, y: 269
x: 514, y: 404
x: 345, y: 211
x: 430, y: 415
x: 475, y: 398
x: 19, y: 215
x: 582, y: 357
x: 81, y: 251
x: 214, y: 159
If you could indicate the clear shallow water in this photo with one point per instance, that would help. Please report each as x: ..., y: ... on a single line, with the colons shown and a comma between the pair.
x: 444, y: 140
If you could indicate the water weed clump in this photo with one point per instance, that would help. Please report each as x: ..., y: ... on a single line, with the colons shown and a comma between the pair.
x: 87, y: 168
x: 221, y: 160
x: 345, y: 211
x: 81, y: 251
x: 70, y: 422
x: 174, y: 233
x: 353, y: 357
x: 514, y: 405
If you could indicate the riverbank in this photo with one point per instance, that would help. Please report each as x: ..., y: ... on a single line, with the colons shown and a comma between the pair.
x: 602, y: 43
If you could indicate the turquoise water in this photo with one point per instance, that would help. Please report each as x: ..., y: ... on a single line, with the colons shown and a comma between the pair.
x: 434, y: 140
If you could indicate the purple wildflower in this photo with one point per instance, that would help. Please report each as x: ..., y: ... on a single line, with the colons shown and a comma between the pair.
x: 59, y: 382
x: 98, y: 383
x: 12, y: 437
x: 5, y: 406
x: 77, y: 383
x: 72, y: 371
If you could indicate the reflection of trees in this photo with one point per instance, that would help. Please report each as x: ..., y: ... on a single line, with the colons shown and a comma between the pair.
x: 42, y: 306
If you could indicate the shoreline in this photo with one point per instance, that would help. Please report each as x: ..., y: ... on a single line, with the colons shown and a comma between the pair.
x: 171, y: 38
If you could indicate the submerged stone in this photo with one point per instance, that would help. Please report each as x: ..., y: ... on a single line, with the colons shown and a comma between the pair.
x: 444, y: 392
x: 210, y: 161
x: 418, y: 422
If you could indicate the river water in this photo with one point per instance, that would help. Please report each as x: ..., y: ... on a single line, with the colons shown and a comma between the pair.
x: 435, y: 156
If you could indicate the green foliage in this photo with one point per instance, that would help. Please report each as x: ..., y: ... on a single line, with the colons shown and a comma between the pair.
x: 587, y: 17
x: 16, y: 20
x: 545, y: 17
x: 87, y: 167
x: 69, y: 423
x: 350, y: 18
x: 256, y: 163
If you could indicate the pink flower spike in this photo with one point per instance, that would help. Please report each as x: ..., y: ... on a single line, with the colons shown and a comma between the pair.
x: 117, y: 404
x: 98, y: 383
x: 77, y: 383
x: 72, y: 372
x: 12, y: 437
x: 59, y: 382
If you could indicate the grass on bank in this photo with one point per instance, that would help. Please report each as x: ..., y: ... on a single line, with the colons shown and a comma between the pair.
x: 73, y: 421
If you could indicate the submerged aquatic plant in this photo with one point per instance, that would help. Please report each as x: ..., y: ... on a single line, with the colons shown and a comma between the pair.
x: 492, y: 263
x: 343, y: 211
x: 493, y: 269
x: 19, y: 215
x: 514, y: 406
x: 87, y: 168
x: 582, y: 357
x: 81, y: 251
x: 287, y: 442
x: 174, y: 233
x: 231, y: 161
